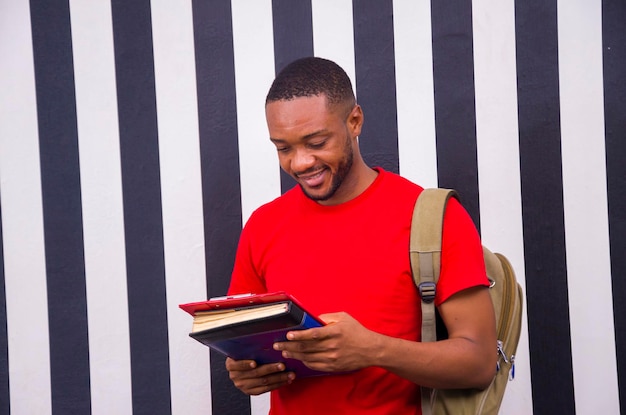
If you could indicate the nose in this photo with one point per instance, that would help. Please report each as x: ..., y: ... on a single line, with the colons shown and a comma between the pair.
x: 302, y: 160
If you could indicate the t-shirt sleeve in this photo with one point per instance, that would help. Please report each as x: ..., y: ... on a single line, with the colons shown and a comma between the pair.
x: 245, y: 277
x: 462, y: 262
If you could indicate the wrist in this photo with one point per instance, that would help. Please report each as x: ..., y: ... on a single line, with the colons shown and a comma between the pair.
x: 378, y: 350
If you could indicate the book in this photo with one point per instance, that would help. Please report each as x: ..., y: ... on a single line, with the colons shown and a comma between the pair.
x: 245, y: 327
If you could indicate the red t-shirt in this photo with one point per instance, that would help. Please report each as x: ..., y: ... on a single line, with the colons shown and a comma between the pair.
x: 353, y: 257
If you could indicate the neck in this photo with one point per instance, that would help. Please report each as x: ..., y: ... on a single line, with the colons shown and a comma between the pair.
x: 360, y: 178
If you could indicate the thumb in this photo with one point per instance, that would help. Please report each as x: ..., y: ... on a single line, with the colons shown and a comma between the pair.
x: 330, y: 318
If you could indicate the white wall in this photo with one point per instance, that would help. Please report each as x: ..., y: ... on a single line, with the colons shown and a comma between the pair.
x: 584, y: 181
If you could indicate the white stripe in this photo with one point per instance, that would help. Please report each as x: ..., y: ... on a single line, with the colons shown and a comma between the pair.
x: 580, y: 61
x: 181, y: 188
x: 101, y: 189
x: 415, y: 92
x: 333, y: 36
x: 498, y: 161
x: 254, y: 73
x: 585, y: 204
x: 22, y: 220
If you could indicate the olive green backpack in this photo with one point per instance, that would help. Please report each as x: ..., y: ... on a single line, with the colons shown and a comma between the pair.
x: 506, y: 294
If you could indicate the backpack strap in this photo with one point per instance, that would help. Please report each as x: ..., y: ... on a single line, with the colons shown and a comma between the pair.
x: 425, y: 255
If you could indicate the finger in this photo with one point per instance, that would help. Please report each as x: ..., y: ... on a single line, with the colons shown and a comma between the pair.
x: 257, y: 386
x: 310, y: 356
x: 306, y: 352
x: 309, y: 334
x: 316, y: 344
x: 294, y: 346
x: 257, y: 372
x: 329, y: 318
x: 239, y: 365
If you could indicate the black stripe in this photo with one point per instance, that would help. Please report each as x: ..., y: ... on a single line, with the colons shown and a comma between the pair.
x: 542, y: 206
x: 5, y: 401
x: 614, y: 39
x: 141, y: 191
x: 219, y: 152
x: 293, y: 39
x: 455, y: 115
x: 61, y: 199
x: 376, y: 82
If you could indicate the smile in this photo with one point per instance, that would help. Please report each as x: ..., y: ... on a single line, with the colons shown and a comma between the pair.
x: 314, y: 179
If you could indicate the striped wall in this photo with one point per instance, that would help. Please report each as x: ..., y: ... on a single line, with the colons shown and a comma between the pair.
x: 133, y: 147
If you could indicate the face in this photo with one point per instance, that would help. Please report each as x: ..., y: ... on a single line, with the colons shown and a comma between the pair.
x: 316, y: 145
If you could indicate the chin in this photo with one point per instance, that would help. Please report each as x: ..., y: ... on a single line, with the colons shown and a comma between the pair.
x: 318, y: 195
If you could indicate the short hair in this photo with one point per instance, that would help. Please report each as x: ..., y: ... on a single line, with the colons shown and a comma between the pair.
x: 312, y: 76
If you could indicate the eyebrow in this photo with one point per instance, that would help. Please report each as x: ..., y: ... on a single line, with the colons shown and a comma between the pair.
x: 306, y: 137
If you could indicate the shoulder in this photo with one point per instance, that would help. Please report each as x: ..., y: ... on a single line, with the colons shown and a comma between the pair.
x: 395, y: 186
x: 390, y: 200
x: 462, y: 264
x: 394, y: 179
x: 275, y: 210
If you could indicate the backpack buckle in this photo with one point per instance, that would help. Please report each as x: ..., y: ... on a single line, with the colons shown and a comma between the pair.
x: 427, y: 291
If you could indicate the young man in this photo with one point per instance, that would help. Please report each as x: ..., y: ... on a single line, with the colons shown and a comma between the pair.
x: 339, y: 243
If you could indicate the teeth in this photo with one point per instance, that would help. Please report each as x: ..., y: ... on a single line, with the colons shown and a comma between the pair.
x: 311, y: 176
x: 313, y: 179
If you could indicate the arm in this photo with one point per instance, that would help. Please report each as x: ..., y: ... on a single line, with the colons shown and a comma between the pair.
x: 465, y: 360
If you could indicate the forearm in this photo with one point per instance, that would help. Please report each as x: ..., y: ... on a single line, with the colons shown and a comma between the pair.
x: 466, y: 360
x: 447, y: 364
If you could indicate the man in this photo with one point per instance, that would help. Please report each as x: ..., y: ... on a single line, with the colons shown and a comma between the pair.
x: 339, y: 243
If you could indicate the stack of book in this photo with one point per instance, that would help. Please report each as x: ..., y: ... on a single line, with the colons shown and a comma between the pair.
x: 245, y: 327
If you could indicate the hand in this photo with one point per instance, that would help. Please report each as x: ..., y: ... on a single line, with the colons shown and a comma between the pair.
x: 342, y: 345
x: 255, y: 380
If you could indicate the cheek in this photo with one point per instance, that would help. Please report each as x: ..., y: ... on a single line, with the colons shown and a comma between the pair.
x: 335, y: 157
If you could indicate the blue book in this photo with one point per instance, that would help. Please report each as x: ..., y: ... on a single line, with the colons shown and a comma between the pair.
x: 245, y: 327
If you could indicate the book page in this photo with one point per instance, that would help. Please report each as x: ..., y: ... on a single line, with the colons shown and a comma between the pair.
x: 217, y: 318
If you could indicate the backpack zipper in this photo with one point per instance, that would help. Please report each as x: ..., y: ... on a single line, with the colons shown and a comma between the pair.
x: 505, y: 314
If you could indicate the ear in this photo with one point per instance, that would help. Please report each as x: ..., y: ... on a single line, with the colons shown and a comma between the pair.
x: 355, y: 121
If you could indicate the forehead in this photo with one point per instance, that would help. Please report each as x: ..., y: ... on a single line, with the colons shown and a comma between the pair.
x: 292, y: 110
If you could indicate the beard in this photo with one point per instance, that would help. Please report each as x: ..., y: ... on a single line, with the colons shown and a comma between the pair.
x: 338, y: 178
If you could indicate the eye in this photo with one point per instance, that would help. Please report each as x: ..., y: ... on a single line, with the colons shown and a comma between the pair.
x: 317, y: 144
x: 283, y: 149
